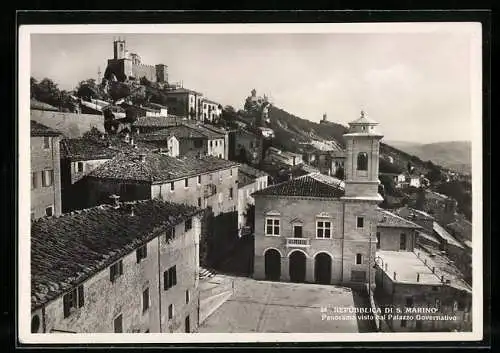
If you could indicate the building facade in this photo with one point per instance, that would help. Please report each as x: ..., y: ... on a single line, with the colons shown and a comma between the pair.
x: 201, y: 182
x: 141, y: 262
x: 45, y: 171
x: 210, y: 111
x: 250, y: 180
x: 317, y: 228
x: 185, y: 102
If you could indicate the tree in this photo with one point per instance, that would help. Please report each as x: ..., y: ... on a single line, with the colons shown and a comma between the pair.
x: 144, y: 81
x: 118, y: 90
x: 420, y: 202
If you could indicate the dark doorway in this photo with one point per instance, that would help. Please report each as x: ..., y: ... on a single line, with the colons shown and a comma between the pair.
x: 323, y: 268
x: 187, y: 325
x: 297, y: 231
x: 297, y: 267
x: 273, y: 265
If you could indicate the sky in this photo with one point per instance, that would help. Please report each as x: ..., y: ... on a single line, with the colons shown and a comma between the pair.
x: 416, y: 85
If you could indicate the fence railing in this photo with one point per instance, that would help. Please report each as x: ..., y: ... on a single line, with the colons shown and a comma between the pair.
x: 298, y: 242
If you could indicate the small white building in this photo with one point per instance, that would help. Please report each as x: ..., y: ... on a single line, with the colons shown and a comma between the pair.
x: 249, y: 181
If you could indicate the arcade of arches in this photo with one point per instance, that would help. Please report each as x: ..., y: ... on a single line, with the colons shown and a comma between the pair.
x: 297, y: 264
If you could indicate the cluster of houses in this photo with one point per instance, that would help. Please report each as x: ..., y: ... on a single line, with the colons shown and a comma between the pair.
x: 121, y: 217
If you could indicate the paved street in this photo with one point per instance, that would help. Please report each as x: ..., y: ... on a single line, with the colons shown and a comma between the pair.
x: 262, y: 306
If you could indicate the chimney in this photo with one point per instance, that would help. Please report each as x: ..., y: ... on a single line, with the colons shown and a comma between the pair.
x: 142, y: 157
x: 115, y: 199
x: 418, y: 277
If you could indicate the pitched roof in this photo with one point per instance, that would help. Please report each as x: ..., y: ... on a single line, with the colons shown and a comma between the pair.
x: 182, y: 90
x: 157, y: 121
x: 156, y: 167
x: 310, y: 185
x: 389, y: 219
x: 38, y: 129
x: 250, y: 171
x: 37, y: 105
x: 209, y: 131
x: 443, y: 234
x: 85, y: 149
x: 363, y: 120
x: 67, y: 250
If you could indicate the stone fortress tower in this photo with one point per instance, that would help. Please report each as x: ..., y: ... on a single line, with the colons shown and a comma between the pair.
x: 128, y: 66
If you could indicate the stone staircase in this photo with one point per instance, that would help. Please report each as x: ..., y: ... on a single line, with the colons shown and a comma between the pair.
x: 215, y: 290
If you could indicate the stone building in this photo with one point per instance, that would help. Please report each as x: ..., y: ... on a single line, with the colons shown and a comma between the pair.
x: 123, y: 268
x: 201, y: 182
x: 45, y: 171
x: 125, y: 66
x: 185, y: 102
x: 317, y: 228
x: 276, y: 155
x: 247, y: 146
x: 210, y: 111
x: 250, y: 180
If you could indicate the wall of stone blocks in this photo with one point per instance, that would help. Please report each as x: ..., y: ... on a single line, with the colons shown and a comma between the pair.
x: 346, y: 242
x: 45, y: 159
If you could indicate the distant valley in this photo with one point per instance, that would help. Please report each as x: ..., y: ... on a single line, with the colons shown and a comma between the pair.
x: 454, y: 155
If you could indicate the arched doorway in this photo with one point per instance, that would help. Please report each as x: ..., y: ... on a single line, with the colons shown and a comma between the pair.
x: 323, y: 268
x: 297, y: 267
x: 273, y: 265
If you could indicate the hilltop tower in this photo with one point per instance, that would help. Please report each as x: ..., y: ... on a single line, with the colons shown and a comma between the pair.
x: 362, y: 160
x: 119, y: 49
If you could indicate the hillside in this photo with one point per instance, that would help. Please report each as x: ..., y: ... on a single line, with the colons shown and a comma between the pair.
x: 291, y: 130
x: 454, y: 155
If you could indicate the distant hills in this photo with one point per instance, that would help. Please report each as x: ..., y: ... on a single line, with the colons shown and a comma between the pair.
x: 291, y: 130
x: 454, y: 155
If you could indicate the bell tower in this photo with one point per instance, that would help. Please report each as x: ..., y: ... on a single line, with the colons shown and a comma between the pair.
x: 362, y: 159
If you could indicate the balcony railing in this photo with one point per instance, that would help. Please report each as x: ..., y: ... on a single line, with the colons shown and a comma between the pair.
x: 298, y: 242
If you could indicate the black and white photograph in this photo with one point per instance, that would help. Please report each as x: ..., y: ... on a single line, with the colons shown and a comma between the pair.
x: 257, y: 182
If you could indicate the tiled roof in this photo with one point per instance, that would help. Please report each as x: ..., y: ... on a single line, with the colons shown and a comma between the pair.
x: 250, y: 171
x: 37, y: 105
x: 443, y: 234
x: 157, y: 167
x: 67, y: 250
x: 310, y: 185
x: 209, y: 131
x: 38, y: 129
x: 85, y: 149
x: 157, y: 121
x: 389, y: 219
x: 182, y: 90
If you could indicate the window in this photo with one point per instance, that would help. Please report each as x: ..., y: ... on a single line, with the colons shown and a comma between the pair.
x: 230, y: 193
x: 378, y: 240
x: 362, y: 161
x: 402, y: 241
x: 116, y: 270
x: 172, y: 186
x: 188, y: 224
x: 199, y: 201
x: 35, y: 324
x: 73, y: 300
x: 323, y: 229
x: 34, y: 181
x: 170, y: 311
x: 145, y: 300
x: 403, y: 323
x: 47, y: 177
x: 210, y: 143
x: 272, y: 226
x: 49, y: 211
x: 46, y: 142
x: 186, y: 182
x: 455, y: 305
x: 437, y: 304
x: 118, y: 324
x: 360, y: 222
x: 79, y: 167
x: 141, y: 253
x: 169, y: 278
x: 188, y: 297
x: 297, y: 231
x: 359, y: 259
x: 230, y: 172
x: 199, y: 179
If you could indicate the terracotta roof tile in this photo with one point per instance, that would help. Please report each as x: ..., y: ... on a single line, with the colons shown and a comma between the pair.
x: 86, y: 149
x: 389, y: 219
x: 309, y: 185
x: 67, y: 250
x: 156, y: 167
